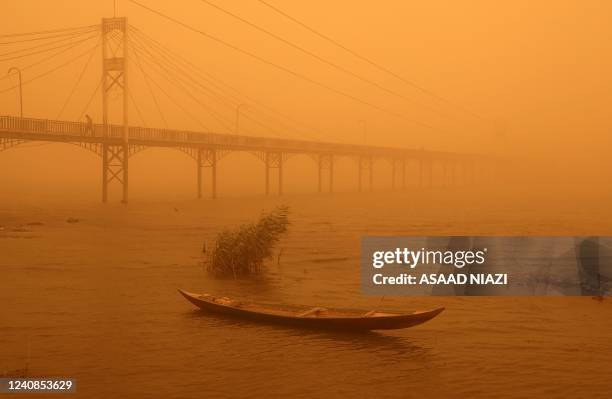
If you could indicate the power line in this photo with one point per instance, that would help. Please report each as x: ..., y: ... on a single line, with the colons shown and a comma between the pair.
x: 46, y: 50
x: 90, y: 100
x: 180, y: 86
x: 170, y: 62
x: 137, y: 109
x: 51, y: 71
x: 72, y: 36
x: 324, y: 60
x: 176, y: 69
x: 47, y: 37
x: 178, y: 104
x: 172, y: 74
x: 153, y: 96
x: 42, y: 60
x: 48, y: 31
x: 285, y: 69
x: 77, y: 82
x: 218, y: 83
x: 369, y: 61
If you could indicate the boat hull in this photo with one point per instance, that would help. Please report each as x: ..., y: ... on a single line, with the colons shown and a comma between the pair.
x: 337, y: 322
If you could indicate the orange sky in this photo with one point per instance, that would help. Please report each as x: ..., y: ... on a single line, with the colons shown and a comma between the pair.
x: 538, y: 73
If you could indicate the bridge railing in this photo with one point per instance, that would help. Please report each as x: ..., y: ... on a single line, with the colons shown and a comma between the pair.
x: 156, y: 136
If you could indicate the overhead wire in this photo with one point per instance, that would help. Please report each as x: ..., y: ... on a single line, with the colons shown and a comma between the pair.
x: 47, y: 31
x: 32, y: 39
x: 169, y: 77
x: 285, y: 69
x: 151, y: 92
x: 69, y: 37
x: 185, y: 75
x: 70, y: 61
x: 223, y: 87
x: 78, y: 81
x: 170, y: 65
x: 324, y: 60
x: 142, y: 119
x: 47, y: 50
x: 90, y: 99
x: 370, y: 61
x: 45, y: 59
x: 198, y: 85
x: 175, y: 102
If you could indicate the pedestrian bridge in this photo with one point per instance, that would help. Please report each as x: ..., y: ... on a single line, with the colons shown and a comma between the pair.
x: 115, y: 147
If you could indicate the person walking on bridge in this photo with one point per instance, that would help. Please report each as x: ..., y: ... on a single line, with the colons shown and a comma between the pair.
x: 89, y: 126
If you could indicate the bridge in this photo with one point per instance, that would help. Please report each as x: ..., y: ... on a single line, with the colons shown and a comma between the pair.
x: 115, y: 143
x: 207, y: 149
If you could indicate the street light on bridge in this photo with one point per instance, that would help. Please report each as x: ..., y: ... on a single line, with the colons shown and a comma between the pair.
x: 20, y: 88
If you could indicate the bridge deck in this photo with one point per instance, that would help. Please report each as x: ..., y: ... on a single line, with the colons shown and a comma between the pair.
x: 67, y: 131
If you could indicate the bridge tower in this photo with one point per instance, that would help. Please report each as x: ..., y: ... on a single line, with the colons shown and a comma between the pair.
x: 115, y: 146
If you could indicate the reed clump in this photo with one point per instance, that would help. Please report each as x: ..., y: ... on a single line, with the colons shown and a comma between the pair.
x: 242, y: 251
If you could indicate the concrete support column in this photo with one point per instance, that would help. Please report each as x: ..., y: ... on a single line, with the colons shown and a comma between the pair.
x: 274, y: 160
x: 404, y: 173
x: 280, y: 174
x: 393, y: 173
x: 331, y: 173
x: 207, y: 158
x: 199, y: 169
x: 267, y: 165
x: 213, y: 169
x: 371, y: 165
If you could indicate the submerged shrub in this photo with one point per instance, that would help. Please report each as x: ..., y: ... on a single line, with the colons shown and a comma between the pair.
x: 242, y: 251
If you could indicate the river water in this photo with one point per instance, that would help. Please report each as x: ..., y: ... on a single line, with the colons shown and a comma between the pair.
x: 96, y: 300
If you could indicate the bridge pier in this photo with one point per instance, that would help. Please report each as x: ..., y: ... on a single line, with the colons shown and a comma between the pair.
x: 444, y: 173
x: 467, y: 173
x: 326, y: 162
x: 404, y: 173
x: 115, y: 167
x: 426, y: 169
x: 207, y: 158
x: 199, y: 168
x: 126, y: 159
x: 472, y: 173
x: 274, y: 160
x: 104, y: 173
x: 393, y: 173
x: 365, y: 163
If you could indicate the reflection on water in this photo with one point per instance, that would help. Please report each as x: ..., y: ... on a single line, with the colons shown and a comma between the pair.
x: 399, y: 347
x: 97, y: 300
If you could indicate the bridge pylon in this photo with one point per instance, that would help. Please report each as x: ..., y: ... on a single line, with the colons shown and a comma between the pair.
x: 274, y: 160
x: 115, y: 149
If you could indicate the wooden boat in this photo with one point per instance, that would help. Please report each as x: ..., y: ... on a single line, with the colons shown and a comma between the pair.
x: 353, y: 320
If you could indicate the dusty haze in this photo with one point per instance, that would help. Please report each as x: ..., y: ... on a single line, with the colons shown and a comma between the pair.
x: 92, y: 287
x: 536, y: 74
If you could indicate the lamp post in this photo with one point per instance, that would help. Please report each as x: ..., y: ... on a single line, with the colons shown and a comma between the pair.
x: 20, y: 89
x: 238, y: 117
